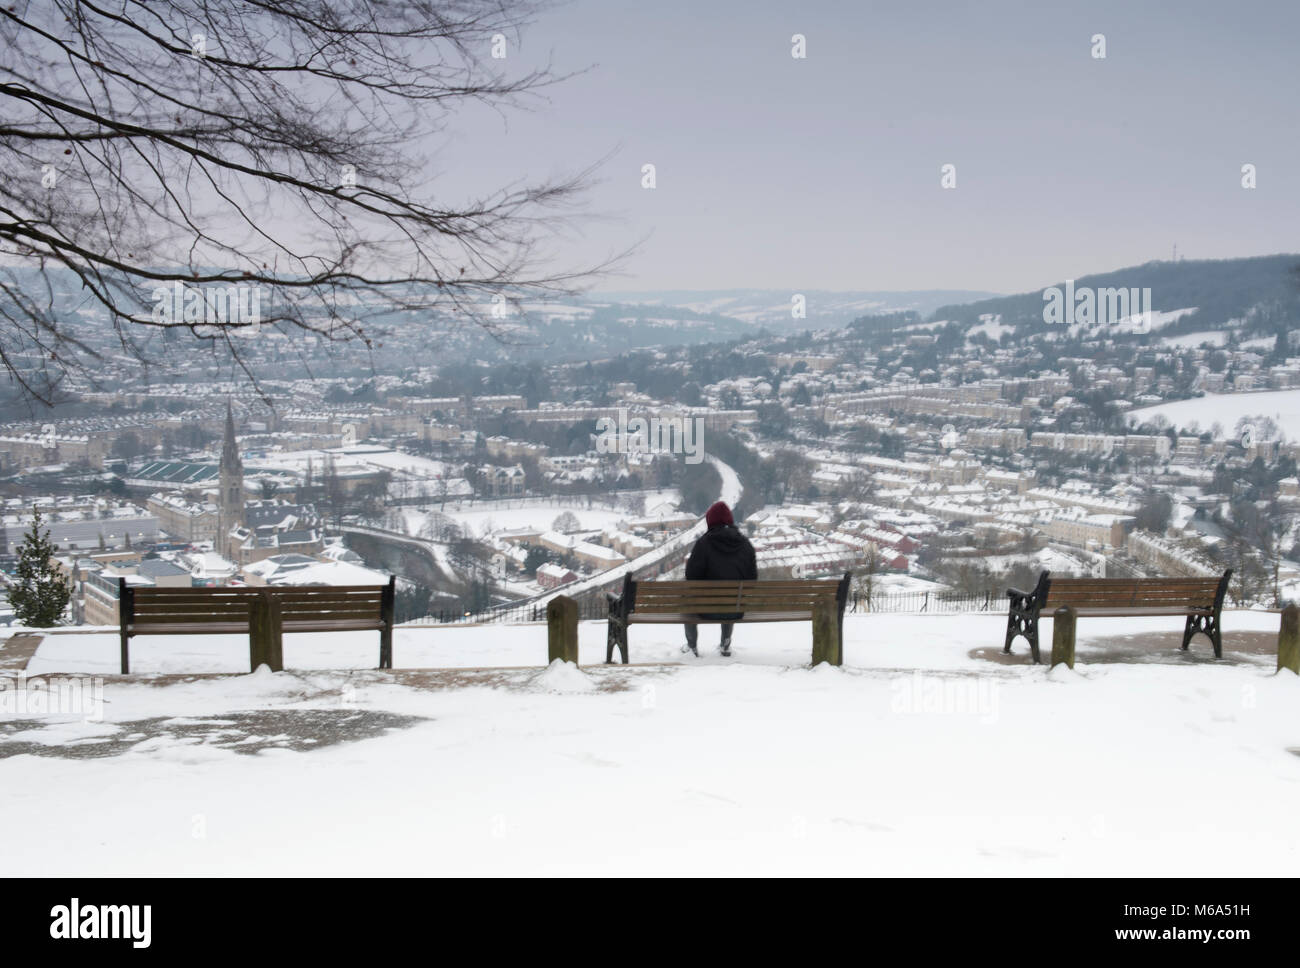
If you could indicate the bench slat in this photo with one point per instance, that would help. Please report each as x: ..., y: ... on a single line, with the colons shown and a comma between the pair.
x: 680, y: 618
x: 1121, y: 612
x: 207, y: 628
x: 196, y: 613
x: 341, y: 625
x: 735, y: 598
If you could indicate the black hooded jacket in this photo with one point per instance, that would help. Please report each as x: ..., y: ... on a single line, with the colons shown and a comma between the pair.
x: 722, y: 554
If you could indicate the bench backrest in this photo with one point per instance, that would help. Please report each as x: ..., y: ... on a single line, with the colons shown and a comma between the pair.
x: 145, y: 607
x: 1134, y: 592
x: 322, y: 604
x: 794, y: 595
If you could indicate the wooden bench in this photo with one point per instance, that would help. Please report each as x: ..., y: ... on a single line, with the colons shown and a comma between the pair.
x: 1199, y: 599
x: 265, y: 614
x: 709, y: 602
x: 192, y: 611
x: 336, y: 608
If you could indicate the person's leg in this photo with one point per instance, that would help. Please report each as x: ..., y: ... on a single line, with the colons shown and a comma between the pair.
x: 692, y: 637
x: 726, y: 637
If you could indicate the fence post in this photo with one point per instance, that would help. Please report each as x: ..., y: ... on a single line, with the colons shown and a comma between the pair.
x: 1288, y: 640
x: 562, y: 630
x: 1063, y: 628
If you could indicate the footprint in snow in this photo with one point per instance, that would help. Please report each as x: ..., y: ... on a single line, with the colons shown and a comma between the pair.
x: 698, y: 794
x: 1020, y: 853
x: 864, y: 824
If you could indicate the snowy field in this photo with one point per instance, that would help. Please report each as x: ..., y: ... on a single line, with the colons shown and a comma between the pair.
x: 1225, y: 409
x: 491, y: 520
x: 485, y: 518
x: 924, y: 754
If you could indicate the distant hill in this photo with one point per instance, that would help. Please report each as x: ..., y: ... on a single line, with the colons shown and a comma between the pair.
x: 771, y: 307
x: 1221, y: 291
x: 1252, y: 299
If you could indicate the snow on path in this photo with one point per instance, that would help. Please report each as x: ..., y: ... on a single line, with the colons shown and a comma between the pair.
x: 902, y: 763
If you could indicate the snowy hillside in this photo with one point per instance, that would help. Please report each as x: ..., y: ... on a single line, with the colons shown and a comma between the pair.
x: 1226, y: 409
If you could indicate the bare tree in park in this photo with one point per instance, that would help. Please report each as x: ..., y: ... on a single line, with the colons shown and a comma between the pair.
x: 148, y: 145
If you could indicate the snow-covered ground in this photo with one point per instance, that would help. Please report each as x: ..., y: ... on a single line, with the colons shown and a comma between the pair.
x: 990, y: 325
x: 893, y: 583
x: 1140, y: 322
x: 1225, y: 409
x: 1215, y: 337
x: 922, y: 755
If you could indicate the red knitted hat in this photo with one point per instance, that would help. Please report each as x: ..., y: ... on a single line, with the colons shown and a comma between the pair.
x: 718, y: 513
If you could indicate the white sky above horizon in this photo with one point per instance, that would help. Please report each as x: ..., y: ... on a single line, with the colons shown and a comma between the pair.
x: 824, y: 173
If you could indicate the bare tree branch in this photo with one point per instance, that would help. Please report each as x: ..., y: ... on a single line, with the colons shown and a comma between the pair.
x: 255, y: 146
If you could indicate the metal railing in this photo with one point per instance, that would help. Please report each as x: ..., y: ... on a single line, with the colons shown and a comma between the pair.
x: 928, y: 602
x: 594, y: 607
x: 590, y: 607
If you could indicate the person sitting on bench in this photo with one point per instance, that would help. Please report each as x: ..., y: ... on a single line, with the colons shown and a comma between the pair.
x: 722, y: 553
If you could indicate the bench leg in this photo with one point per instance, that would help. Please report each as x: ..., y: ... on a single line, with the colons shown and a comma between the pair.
x: 615, y: 637
x: 1022, y: 623
x: 1209, y: 625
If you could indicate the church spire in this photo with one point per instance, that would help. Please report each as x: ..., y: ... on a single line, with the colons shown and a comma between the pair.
x: 230, y: 498
x: 230, y: 449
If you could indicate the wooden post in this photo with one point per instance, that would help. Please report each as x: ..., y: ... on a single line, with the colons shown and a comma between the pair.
x: 125, y: 616
x: 826, y: 642
x: 562, y: 630
x: 1063, y: 625
x: 1288, y: 640
x: 389, y: 612
x: 265, y: 643
x: 273, y: 631
x: 257, y: 633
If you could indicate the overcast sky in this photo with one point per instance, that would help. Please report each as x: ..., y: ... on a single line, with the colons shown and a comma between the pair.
x: 824, y: 173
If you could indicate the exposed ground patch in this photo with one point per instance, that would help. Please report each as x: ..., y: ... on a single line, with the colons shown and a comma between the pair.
x: 250, y: 732
x: 1247, y: 648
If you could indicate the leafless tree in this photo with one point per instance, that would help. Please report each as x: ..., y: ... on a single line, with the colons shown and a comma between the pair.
x: 215, y: 144
x: 795, y: 471
x: 865, y: 586
x: 566, y: 521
